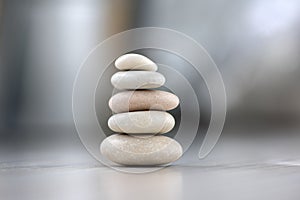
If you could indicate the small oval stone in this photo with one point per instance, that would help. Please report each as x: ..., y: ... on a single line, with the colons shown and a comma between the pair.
x: 142, y: 122
x: 130, y: 150
x: 143, y: 100
x: 134, y: 61
x: 137, y: 80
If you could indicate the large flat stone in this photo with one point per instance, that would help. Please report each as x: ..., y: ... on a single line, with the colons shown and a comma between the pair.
x: 130, y: 150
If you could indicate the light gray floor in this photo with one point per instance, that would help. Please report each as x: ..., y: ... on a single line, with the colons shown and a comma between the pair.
x: 176, y: 182
x: 262, y: 167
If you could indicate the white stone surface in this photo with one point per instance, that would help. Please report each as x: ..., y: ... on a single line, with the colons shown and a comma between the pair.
x: 134, y: 61
x: 142, y: 122
x: 143, y: 100
x: 131, y: 150
x: 137, y: 80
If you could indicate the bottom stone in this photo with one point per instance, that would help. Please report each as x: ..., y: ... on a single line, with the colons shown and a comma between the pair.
x: 143, y: 151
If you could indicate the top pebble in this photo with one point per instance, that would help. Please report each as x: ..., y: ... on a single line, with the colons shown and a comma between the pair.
x: 135, y: 62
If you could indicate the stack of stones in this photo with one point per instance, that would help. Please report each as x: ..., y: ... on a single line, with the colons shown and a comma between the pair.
x: 140, y: 116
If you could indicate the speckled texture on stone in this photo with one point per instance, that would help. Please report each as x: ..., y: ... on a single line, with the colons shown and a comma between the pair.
x: 143, y: 100
x: 133, y: 61
x: 137, y: 80
x: 130, y: 150
x: 141, y: 122
x: 141, y: 114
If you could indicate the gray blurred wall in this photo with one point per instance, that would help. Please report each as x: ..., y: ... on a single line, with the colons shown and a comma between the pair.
x: 255, y: 44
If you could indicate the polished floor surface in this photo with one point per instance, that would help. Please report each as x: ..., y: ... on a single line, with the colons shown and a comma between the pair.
x: 248, y: 168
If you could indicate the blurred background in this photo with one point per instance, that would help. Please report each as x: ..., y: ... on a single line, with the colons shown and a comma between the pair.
x: 255, y: 44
